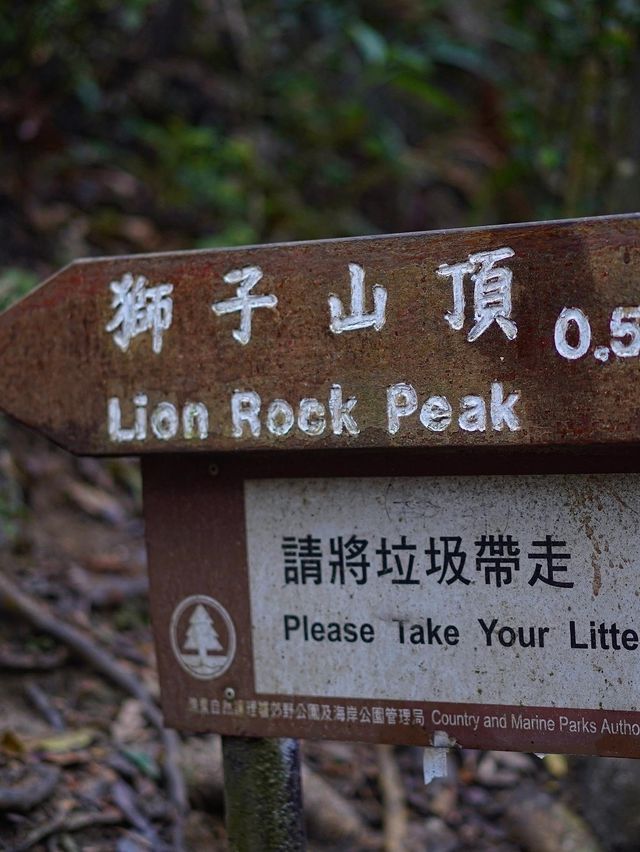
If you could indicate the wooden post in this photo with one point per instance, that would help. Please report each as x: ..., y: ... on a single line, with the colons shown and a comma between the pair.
x: 263, y: 794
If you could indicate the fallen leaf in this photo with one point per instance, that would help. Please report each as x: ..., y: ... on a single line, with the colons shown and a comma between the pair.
x: 515, y: 760
x: 129, y: 721
x: 142, y: 761
x: 68, y: 741
x: 490, y: 774
x: 95, y: 502
x: 68, y: 758
x: 11, y: 744
x: 556, y: 765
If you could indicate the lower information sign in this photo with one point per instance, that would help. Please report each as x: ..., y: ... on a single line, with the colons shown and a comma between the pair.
x: 486, y: 611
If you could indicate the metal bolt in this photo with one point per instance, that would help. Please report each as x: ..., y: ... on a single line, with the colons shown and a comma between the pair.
x: 214, y: 470
x: 229, y: 693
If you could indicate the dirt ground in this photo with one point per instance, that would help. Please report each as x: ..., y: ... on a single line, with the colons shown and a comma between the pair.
x: 85, y: 763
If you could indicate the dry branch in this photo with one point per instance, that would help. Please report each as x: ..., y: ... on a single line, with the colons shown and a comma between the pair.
x: 539, y: 823
x: 43, y: 705
x: 393, y: 801
x: 14, y: 600
x: 36, y: 784
x: 75, y: 822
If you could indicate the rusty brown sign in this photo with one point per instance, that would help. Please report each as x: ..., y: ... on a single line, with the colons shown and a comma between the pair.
x: 388, y: 597
x: 487, y: 611
x: 525, y: 335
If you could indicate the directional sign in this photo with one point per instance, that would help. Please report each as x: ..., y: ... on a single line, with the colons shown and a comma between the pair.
x: 349, y: 595
x: 525, y: 335
x: 487, y: 611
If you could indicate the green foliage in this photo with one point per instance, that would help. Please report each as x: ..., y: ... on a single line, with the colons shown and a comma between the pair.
x: 250, y: 121
x: 12, y: 506
x: 130, y: 616
x: 11, y: 514
x: 569, y: 99
x: 15, y: 283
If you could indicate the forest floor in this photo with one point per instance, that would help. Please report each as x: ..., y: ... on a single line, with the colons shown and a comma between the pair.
x: 122, y: 137
x: 84, y: 761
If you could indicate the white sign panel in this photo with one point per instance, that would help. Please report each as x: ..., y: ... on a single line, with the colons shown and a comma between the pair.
x: 518, y: 591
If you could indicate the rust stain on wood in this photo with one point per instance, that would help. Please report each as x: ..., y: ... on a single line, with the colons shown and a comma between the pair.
x: 64, y: 355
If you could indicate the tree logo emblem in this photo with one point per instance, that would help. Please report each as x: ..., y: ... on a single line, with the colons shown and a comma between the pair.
x: 203, y: 637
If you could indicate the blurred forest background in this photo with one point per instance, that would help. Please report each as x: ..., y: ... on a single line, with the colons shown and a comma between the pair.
x: 138, y: 125
x: 145, y: 125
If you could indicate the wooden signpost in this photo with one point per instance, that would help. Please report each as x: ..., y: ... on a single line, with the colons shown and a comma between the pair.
x: 390, y: 483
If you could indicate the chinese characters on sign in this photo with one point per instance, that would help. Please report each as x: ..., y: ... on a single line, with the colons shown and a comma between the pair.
x: 491, y: 292
x: 308, y: 711
x: 479, y: 288
x: 350, y: 559
x: 493, y: 611
x: 438, y: 586
x: 244, y: 302
x: 358, y: 318
x: 140, y: 308
x: 518, y: 335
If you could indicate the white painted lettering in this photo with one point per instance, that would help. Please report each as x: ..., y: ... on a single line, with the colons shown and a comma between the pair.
x: 625, y: 332
x: 311, y: 417
x: 280, y: 417
x: 567, y: 317
x: 245, y: 408
x: 402, y: 401
x: 341, y: 417
x: 165, y: 421
x: 114, y: 423
x: 473, y: 414
x: 138, y: 309
x: 195, y: 420
x: 340, y: 321
x: 457, y: 271
x: 435, y: 413
x: 140, y: 401
x: 502, y: 413
x: 243, y: 302
x: 491, y: 292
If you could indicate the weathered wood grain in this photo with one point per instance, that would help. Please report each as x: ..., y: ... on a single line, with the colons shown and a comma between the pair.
x: 59, y: 366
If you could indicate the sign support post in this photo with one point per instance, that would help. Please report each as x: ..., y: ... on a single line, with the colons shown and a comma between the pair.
x: 263, y: 794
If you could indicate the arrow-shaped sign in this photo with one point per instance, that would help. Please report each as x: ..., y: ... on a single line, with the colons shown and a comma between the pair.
x: 525, y: 334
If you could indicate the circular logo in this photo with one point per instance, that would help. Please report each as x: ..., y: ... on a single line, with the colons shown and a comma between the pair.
x: 203, y: 637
